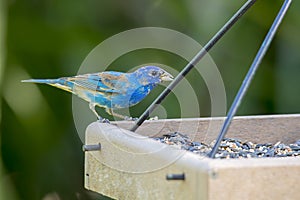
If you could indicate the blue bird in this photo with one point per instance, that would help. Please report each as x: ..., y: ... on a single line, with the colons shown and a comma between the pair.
x: 110, y: 89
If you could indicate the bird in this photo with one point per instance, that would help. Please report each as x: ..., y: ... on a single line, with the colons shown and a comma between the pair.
x: 111, y: 90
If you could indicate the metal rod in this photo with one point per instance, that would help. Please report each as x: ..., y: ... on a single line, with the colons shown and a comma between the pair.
x: 192, y: 63
x: 245, y: 85
x: 170, y: 177
x: 91, y: 147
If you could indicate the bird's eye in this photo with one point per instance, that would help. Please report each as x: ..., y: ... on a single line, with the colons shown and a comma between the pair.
x: 154, y: 73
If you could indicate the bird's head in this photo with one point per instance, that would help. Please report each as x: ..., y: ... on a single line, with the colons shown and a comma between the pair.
x: 152, y: 75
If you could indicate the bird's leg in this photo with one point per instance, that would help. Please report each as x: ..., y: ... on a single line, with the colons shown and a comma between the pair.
x: 111, y: 112
x: 124, y: 117
x: 92, y: 107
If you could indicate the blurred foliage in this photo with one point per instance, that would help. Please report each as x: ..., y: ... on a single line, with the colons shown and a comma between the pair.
x: 40, y: 149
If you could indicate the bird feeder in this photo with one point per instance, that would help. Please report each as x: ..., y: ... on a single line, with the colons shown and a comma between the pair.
x: 133, y: 166
x: 124, y: 164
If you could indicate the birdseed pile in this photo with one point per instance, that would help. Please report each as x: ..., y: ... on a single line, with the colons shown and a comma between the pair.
x: 232, y: 148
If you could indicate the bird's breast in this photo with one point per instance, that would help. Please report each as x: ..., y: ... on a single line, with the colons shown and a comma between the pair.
x: 140, y: 93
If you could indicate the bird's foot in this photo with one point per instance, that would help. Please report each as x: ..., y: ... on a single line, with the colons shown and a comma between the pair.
x: 153, y: 118
x: 127, y: 118
x: 103, y: 120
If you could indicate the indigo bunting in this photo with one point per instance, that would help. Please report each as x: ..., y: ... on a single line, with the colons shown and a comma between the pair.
x: 110, y: 89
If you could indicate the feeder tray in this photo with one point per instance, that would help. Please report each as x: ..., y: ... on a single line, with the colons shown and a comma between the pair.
x: 135, y: 166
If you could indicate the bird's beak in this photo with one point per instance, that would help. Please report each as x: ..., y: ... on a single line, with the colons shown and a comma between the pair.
x: 165, y: 76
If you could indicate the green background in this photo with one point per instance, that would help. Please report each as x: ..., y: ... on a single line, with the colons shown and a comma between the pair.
x: 40, y: 149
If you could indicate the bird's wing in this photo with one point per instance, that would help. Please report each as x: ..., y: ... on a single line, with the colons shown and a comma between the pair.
x: 99, y: 82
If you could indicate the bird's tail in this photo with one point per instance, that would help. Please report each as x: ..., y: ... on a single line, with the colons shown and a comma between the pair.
x: 61, y: 83
x: 45, y: 81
